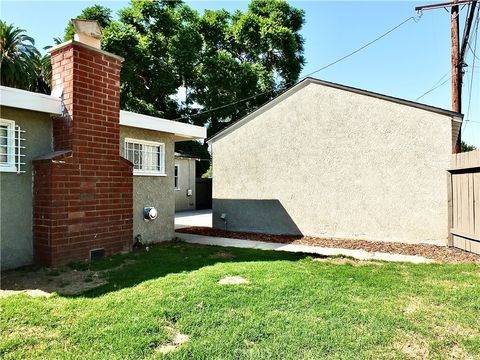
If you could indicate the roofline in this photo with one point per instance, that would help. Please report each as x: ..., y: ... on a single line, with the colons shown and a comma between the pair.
x: 28, y: 100
x: 181, y: 130
x: 22, y: 99
x: 86, y: 46
x: 187, y: 157
x: 387, y: 97
x: 309, y: 80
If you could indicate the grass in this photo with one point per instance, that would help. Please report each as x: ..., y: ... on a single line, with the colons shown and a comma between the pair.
x: 292, y: 307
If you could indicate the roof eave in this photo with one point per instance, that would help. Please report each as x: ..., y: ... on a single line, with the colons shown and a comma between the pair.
x: 27, y: 100
x: 181, y: 131
x: 309, y: 80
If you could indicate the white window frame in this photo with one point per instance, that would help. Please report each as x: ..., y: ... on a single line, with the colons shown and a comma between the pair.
x: 11, y: 164
x: 177, y: 177
x: 142, y: 172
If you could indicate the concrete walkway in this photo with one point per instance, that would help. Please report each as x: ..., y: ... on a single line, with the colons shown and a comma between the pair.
x: 185, y: 219
x: 356, y: 254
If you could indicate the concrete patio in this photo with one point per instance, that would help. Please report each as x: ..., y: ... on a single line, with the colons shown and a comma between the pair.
x: 317, y: 250
x: 184, y: 219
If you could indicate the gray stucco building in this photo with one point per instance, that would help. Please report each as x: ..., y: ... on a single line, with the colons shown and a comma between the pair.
x: 149, y: 189
x: 327, y: 160
x: 184, y: 182
x: 79, y: 176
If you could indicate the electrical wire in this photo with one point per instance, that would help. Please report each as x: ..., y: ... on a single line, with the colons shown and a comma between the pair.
x: 436, y: 86
x: 473, y: 52
x: 414, y: 18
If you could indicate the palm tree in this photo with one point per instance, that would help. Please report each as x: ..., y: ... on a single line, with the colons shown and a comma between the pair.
x: 39, y: 73
x: 16, y: 50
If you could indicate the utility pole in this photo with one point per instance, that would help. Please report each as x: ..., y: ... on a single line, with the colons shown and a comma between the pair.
x: 458, y: 56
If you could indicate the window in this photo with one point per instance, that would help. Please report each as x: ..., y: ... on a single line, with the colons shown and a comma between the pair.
x: 148, y: 157
x: 10, y: 147
x: 176, y: 180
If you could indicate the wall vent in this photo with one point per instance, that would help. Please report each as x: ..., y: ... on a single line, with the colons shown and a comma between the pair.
x: 96, y: 254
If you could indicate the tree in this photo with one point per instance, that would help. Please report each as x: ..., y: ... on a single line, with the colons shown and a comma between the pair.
x: 246, y: 54
x: 218, y: 57
x: 39, y: 73
x: 17, y: 49
x: 466, y: 147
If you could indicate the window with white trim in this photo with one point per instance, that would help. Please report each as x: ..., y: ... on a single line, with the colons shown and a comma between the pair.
x: 148, y: 157
x: 11, y: 147
x: 176, y: 177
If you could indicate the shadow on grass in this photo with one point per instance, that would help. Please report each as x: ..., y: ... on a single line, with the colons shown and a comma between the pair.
x: 127, y: 270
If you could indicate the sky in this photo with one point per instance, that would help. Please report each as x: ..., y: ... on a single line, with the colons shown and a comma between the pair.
x: 406, y: 63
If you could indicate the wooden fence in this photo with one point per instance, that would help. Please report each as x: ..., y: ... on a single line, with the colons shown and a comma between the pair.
x: 464, y: 201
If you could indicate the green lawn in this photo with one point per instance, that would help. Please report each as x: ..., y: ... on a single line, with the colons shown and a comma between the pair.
x: 293, y: 307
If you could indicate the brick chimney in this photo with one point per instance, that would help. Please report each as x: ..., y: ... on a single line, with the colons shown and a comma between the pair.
x: 83, y: 191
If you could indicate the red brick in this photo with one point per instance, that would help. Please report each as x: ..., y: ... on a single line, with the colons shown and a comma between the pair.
x: 85, y: 201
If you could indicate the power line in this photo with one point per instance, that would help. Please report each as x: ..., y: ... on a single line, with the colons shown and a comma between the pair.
x: 473, y: 52
x: 436, y: 86
x: 414, y: 18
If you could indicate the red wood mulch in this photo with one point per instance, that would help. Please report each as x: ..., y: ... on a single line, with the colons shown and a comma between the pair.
x: 437, y: 253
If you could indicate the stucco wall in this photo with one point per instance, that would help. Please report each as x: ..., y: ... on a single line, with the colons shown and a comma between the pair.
x: 187, y: 181
x: 329, y: 162
x: 156, y: 191
x: 16, y: 189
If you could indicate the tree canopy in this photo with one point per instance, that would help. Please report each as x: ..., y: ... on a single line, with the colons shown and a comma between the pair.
x: 467, y: 147
x: 22, y: 65
x: 216, y: 58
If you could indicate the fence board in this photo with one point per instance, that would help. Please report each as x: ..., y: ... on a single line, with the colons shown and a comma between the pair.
x: 464, y: 201
x: 450, y: 207
x: 476, y: 202
x: 471, y: 211
x: 454, y: 202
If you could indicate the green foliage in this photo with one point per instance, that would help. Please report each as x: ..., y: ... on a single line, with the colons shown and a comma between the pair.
x: 22, y: 65
x: 208, y: 174
x: 245, y: 54
x: 96, y: 12
x: 466, y: 147
x: 40, y: 73
x: 218, y: 57
x: 16, y: 48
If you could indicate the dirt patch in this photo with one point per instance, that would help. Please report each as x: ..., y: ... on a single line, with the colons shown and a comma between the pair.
x: 411, y: 308
x: 457, y: 352
x: 412, y: 346
x: 222, y: 255
x: 32, y: 293
x: 344, y: 261
x: 45, y: 281
x: 32, y: 331
x: 232, y: 280
x: 436, y: 253
x: 177, y: 341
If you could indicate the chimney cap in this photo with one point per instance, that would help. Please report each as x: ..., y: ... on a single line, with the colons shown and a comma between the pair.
x: 88, y: 27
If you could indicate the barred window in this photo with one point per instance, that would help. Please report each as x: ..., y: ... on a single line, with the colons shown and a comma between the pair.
x: 148, y: 157
x: 176, y: 178
x: 11, y: 149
